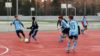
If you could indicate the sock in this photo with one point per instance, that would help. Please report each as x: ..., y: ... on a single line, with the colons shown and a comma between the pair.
x: 61, y: 38
x: 74, y: 45
x: 82, y: 30
x: 68, y: 46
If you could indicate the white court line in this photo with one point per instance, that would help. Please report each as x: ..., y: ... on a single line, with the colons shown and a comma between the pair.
x: 7, y: 49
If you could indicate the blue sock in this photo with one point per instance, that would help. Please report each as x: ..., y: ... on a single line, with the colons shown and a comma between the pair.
x: 74, y: 45
x: 82, y: 30
x: 61, y: 38
x: 68, y: 45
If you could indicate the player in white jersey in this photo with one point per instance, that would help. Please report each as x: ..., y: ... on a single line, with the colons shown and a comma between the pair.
x: 73, y: 34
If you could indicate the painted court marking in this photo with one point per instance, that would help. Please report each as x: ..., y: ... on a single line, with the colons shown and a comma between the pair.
x: 6, y: 51
x: 96, y: 48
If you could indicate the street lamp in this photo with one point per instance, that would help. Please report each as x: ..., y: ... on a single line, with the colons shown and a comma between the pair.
x: 64, y: 6
x: 71, y: 6
x: 85, y: 5
x: 32, y: 9
x: 44, y: 0
x: 45, y: 6
x: 16, y: 7
x: 8, y: 5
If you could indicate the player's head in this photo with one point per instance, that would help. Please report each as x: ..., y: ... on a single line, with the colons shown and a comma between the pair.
x: 16, y: 17
x: 70, y: 17
x: 84, y: 17
x: 60, y: 17
x: 33, y: 18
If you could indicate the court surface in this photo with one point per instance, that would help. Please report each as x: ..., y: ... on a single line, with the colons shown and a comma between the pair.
x: 48, y: 45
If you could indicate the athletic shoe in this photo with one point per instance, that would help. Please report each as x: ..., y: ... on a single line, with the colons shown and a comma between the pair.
x: 67, y: 50
x: 21, y: 39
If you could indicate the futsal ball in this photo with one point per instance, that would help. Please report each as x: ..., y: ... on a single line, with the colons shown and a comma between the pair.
x: 26, y: 40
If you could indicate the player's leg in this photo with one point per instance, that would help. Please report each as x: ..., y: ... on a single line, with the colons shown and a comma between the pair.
x: 68, y: 43
x: 21, y: 31
x: 34, y: 34
x: 65, y: 33
x: 18, y: 34
x: 74, y: 42
x: 85, y: 27
x: 61, y: 38
x: 30, y: 34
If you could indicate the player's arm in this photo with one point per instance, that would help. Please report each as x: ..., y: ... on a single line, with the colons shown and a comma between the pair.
x: 22, y: 24
x: 30, y: 27
x: 12, y: 22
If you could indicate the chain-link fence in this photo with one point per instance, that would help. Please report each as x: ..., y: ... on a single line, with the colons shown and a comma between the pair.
x: 51, y: 7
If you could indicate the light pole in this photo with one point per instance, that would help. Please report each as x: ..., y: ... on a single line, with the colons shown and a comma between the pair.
x: 8, y: 5
x: 64, y: 6
x: 71, y: 6
x: 16, y: 7
x: 85, y: 5
x: 45, y: 6
x: 36, y: 6
x: 32, y: 9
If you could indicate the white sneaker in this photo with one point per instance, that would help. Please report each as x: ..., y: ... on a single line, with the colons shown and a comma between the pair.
x: 67, y: 50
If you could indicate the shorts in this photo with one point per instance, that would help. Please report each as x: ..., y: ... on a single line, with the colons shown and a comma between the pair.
x: 85, y: 27
x: 33, y: 32
x: 73, y: 37
x: 66, y: 31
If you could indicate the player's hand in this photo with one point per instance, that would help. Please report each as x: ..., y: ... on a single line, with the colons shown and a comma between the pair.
x: 10, y: 24
x: 27, y: 28
x: 58, y: 28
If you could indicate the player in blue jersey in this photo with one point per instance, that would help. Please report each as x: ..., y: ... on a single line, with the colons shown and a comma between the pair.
x: 64, y: 25
x: 18, y: 27
x: 73, y: 34
x: 84, y: 24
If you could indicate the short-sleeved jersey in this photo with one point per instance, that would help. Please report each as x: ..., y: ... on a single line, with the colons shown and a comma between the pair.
x: 18, y: 24
x: 73, y: 28
x: 34, y: 25
x: 64, y: 24
x: 84, y: 21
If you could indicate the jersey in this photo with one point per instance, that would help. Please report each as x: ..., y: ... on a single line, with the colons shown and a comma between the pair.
x: 84, y: 21
x: 34, y: 25
x: 73, y: 28
x: 64, y: 24
x: 18, y: 24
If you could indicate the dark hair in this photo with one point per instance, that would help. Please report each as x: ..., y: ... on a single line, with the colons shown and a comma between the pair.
x: 33, y: 18
x: 60, y: 17
x: 15, y: 16
x: 70, y: 17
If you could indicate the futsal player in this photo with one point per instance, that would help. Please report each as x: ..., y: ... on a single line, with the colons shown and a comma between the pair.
x: 84, y: 24
x: 73, y: 34
x: 34, y: 29
x: 64, y: 25
x: 18, y: 26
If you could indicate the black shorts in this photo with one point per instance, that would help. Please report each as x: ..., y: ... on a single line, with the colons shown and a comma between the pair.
x: 19, y: 31
x: 33, y: 32
x: 73, y: 37
x: 66, y: 31
x: 85, y: 26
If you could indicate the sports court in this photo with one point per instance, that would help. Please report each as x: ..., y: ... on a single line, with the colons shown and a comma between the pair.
x: 48, y: 45
x: 46, y: 13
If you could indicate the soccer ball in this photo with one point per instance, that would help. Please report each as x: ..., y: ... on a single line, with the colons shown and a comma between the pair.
x: 26, y: 40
